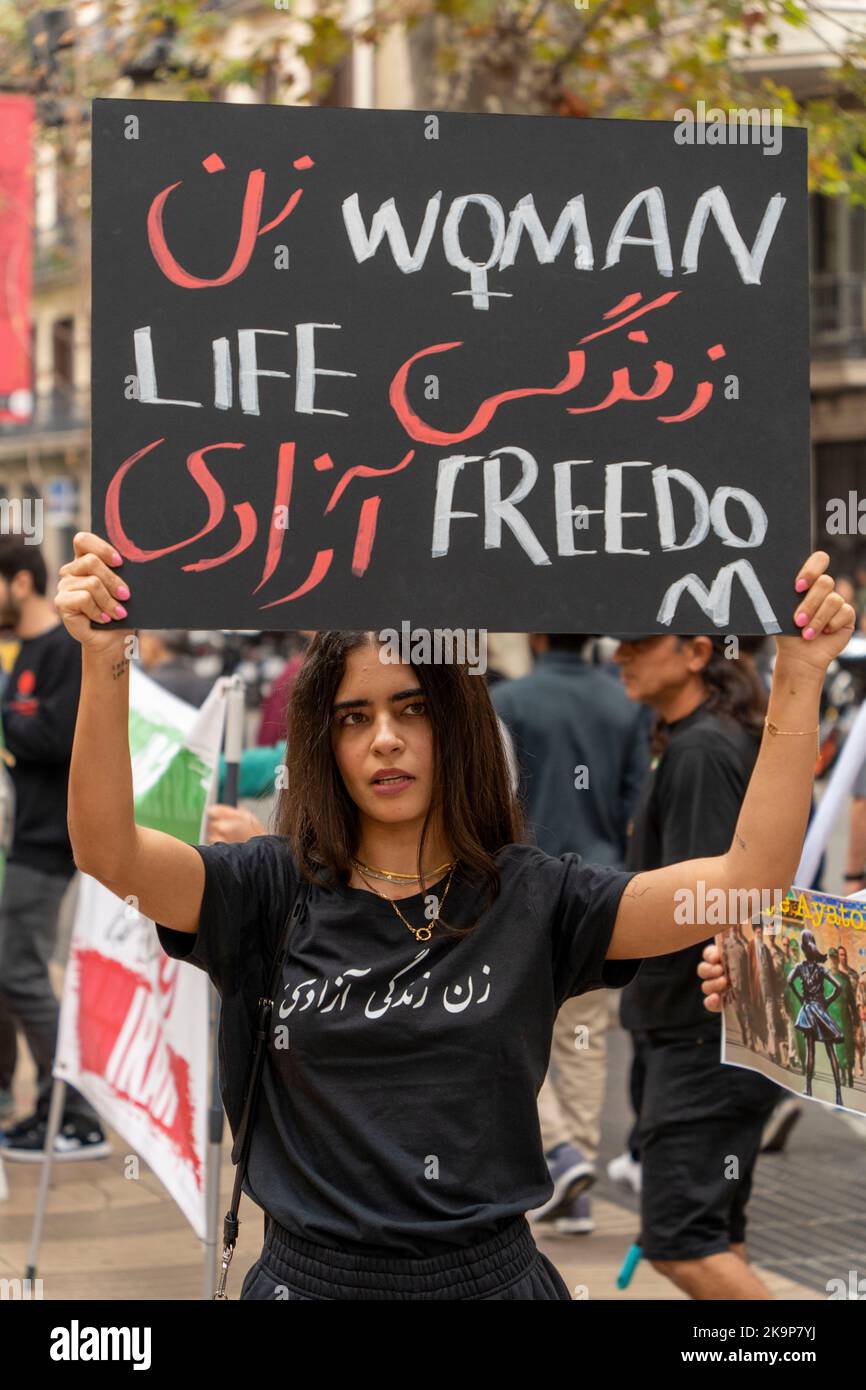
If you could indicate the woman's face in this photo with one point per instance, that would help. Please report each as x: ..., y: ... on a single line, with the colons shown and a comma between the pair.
x: 382, y: 738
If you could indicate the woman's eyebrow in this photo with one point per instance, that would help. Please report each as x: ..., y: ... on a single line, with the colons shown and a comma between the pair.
x: 356, y: 704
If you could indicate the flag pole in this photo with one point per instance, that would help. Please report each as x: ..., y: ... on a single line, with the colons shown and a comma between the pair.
x: 232, y: 747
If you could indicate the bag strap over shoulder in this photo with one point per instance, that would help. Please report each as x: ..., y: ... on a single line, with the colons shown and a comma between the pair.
x: 241, y: 1146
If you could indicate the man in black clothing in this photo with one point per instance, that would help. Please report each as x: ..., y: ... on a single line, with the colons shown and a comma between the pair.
x: 40, y: 702
x: 583, y: 753
x: 700, y: 1122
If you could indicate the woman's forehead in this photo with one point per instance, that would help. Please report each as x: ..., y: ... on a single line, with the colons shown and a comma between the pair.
x: 367, y: 676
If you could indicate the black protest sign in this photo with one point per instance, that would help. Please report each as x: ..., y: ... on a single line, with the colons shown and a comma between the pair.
x: 363, y: 368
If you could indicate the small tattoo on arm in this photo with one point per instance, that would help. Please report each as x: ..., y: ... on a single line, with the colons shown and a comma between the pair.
x: 632, y: 891
x: 740, y: 841
x: 118, y: 669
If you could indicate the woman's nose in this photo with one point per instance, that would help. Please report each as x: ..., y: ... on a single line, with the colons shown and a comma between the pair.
x: 385, y: 734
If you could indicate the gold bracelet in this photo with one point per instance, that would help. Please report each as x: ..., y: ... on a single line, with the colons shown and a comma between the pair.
x: 792, y: 733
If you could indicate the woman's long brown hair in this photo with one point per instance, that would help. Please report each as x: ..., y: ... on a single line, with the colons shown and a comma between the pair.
x: 472, y: 790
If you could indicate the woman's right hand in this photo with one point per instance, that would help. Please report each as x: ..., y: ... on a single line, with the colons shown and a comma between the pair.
x: 90, y: 588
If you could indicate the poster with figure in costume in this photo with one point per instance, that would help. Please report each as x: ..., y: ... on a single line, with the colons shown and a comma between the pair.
x: 796, y: 1008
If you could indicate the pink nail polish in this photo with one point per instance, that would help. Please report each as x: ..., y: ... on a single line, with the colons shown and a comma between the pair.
x: 801, y: 618
x: 115, y: 558
x: 104, y: 618
x: 808, y: 633
x: 801, y: 584
x: 123, y: 592
x: 120, y: 611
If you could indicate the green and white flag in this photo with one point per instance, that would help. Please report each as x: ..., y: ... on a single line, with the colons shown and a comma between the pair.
x: 134, y: 1022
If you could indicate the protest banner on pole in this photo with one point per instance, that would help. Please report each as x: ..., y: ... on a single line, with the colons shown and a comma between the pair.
x: 359, y: 368
x: 133, y: 1034
x: 796, y: 1007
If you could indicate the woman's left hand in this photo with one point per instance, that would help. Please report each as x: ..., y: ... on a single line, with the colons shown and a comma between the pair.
x: 825, y: 620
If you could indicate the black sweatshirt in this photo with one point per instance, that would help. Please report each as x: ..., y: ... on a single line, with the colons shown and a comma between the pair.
x: 689, y: 809
x: 40, y: 703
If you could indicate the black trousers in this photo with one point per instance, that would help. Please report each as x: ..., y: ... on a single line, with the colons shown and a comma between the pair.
x: 509, y: 1265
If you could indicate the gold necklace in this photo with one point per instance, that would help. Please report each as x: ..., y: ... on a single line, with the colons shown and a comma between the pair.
x: 420, y: 933
x: 391, y: 875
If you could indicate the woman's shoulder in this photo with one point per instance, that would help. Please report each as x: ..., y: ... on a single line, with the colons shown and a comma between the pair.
x: 549, y: 875
x: 262, y: 863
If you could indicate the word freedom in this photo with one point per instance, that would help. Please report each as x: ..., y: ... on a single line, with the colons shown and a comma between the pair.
x: 443, y: 646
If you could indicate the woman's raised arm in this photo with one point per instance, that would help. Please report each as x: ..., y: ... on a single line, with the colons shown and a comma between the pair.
x: 768, y: 840
x: 163, y: 874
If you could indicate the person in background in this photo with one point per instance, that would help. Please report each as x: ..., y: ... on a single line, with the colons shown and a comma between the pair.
x: 844, y: 1012
x: 695, y: 1112
x: 40, y: 700
x: 736, y: 951
x: 854, y: 980
x: 165, y: 657
x: 796, y: 1044
x: 766, y: 990
x: 582, y: 755
x: 272, y: 726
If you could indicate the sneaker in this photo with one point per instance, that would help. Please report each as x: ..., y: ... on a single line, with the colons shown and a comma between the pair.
x: 24, y: 1142
x: 7, y: 1102
x: 576, y: 1218
x: 571, y: 1173
x: 625, y: 1169
x: 19, y: 1128
x: 779, y: 1126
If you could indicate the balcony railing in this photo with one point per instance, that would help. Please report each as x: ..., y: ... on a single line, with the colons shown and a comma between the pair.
x: 54, y: 412
x: 838, y: 307
x: 54, y: 249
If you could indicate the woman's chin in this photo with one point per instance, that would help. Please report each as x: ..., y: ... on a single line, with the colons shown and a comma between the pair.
x: 393, y: 810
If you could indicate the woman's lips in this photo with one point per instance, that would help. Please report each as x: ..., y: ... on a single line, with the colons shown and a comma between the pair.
x: 392, y: 786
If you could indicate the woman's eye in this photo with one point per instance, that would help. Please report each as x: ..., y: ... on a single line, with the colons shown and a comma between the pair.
x: 350, y: 716
x: 417, y: 707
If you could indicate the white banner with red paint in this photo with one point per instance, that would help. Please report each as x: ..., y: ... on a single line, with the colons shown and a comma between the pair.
x: 133, y: 1032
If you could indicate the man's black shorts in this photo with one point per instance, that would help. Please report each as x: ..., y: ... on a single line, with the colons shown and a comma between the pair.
x: 700, y: 1132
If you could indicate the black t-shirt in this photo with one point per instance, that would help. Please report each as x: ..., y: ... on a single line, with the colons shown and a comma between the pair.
x: 689, y: 808
x: 398, y: 1108
x: 40, y: 702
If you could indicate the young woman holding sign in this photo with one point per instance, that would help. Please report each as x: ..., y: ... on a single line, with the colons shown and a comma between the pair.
x: 396, y: 1145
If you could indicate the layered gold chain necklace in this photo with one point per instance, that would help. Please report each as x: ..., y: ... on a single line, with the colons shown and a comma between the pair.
x: 420, y: 933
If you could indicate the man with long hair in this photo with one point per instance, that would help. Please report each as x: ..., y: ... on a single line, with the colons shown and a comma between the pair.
x: 700, y: 1122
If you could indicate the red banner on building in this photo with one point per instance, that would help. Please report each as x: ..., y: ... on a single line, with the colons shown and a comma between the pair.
x: 16, y: 238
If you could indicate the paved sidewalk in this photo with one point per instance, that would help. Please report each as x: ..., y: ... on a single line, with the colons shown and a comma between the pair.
x: 112, y: 1237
